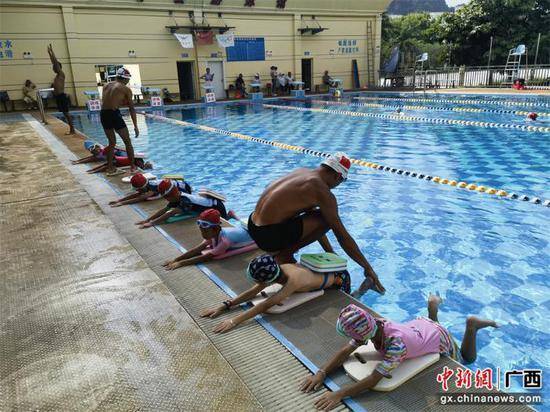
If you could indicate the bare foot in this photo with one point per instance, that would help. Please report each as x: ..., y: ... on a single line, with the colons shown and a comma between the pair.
x: 475, y: 323
x: 433, y: 306
x: 70, y: 132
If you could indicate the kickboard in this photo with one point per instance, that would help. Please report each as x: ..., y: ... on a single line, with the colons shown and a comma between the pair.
x: 296, y: 299
x: 173, y: 177
x: 179, y: 218
x: 210, y: 193
x: 323, y: 262
x: 365, y: 358
x: 148, y: 176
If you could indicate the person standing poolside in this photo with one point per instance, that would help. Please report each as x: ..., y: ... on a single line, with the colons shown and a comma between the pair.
x: 299, y: 209
x: 396, y: 342
x: 116, y: 94
x: 208, y: 78
x: 61, y: 98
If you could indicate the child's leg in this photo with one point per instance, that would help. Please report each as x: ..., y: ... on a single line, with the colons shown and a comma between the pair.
x: 433, y: 307
x: 468, y: 348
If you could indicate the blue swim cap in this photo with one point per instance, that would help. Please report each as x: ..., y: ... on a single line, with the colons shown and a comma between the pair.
x: 88, y: 144
x: 263, y: 269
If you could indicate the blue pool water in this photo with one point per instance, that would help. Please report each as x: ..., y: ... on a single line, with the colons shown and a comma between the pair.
x: 484, y: 255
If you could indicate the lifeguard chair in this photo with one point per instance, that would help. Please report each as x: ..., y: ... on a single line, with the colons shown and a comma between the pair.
x: 513, y: 66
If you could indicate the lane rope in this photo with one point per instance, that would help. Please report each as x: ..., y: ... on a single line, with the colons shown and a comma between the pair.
x: 432, y: 108
x: 471, y: 101
x: 360, y: 162
x: 403, y: 117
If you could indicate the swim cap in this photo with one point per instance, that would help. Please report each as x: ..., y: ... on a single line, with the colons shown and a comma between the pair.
x: 356, y: 323
x: 89, y: 145
x: 263, y: 269
x: 124, y: 73
x: 339, y: 162
x: 532, y: 116
x: 138, y: 181
x: 211, y: 216
x: 166, y: 186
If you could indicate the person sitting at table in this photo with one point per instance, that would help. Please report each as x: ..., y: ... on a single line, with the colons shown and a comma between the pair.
x: 240, y: 85
x: 329, y: 81
x: 29, y: 95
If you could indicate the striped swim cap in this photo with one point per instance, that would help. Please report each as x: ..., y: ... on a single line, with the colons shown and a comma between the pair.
x: 356, y: 323
x: 263, y: 269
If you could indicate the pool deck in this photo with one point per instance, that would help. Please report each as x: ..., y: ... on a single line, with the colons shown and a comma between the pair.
x: 254, y: 361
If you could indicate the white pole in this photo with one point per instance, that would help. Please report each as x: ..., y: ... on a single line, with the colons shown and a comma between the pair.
x: 489, y: 61
x: 537, y: 51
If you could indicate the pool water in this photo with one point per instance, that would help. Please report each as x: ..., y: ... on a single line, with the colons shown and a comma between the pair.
x: 484, y: 255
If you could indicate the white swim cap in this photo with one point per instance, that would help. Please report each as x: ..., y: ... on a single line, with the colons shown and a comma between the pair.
x: 124, y: 73
x: 339, y: 162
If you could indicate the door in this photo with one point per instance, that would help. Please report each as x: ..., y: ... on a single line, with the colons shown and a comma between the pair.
x: 306, y: 73
x: 185, y: 79
x: 216, y: 68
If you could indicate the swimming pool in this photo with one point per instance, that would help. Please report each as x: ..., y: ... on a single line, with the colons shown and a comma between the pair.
x: 483, y: 254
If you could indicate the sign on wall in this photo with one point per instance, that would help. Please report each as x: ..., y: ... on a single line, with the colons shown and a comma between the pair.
x: 246, y: 49
x: 6, y: 51
x: 347, y: 46
x: 156, y: 101
x: 94, y: 105
x: 210, y: 97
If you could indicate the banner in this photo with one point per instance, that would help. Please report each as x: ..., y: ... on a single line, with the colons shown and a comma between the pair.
x: 204, y: 37
x: 226, y: 40
x: 186, y: 40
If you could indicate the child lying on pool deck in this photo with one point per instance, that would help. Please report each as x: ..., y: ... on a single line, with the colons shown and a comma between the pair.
x: 217, y: 241
x: 263, y: 270
x: 181, y: 204
x: 395, y: 342
x: 146, y: 189
x: 122, y: 161
x: 97, y: 153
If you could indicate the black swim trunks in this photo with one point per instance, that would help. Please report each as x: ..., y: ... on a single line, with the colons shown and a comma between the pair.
x: 187, y: 206
x: 279, y: 236
x: 112, y: 119
x: 62, y: 102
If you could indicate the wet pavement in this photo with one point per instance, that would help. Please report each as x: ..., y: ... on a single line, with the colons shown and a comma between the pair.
x: 85, y: 324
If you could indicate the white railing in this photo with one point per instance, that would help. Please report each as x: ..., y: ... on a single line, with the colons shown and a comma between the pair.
x: 43, y: 94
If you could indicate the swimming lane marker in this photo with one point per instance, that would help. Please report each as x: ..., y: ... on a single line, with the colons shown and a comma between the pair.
x: 360, y: 162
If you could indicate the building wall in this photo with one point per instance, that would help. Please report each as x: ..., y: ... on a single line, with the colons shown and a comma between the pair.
x: 85, y: 33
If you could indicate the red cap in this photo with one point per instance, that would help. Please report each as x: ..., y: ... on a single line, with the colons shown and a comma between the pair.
x: 166, y: 187
x: 533, y: 116
x: 212, y: 216
x: 138, y: 181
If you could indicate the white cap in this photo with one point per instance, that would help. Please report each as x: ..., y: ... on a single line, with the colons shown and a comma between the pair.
x: 339, y: 162
x: 124, y: 73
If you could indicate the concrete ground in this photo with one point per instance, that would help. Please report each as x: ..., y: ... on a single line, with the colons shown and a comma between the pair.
x: 85, y: 324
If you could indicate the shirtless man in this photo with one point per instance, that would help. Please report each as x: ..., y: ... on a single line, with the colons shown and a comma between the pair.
x: 299, y: 209
x: 116, y: 94
x: 61, y: 98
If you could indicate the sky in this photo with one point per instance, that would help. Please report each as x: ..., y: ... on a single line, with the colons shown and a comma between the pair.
x: 453, y: 3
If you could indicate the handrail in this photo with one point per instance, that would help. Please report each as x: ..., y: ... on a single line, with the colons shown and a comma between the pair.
x: 39, y: 94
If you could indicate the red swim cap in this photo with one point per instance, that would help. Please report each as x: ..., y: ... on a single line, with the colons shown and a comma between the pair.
x: 532, y: 116
x: 212, y: 216
x: 166, y: 186
x: 138, y: 181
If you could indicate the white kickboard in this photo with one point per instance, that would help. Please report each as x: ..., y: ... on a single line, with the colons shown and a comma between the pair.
x: 365, y: 358
x: 296, y: 299
x: 150, y: 176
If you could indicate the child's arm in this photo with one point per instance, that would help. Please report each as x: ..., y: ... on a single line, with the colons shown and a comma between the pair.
x: 243, y: 297
x: 98, y: 169
x: 314, y: 382
x: 130, y: 199
x: 154, y: 216
x: 191, y: 257
x: 277, y: 298
x: 87, y: 159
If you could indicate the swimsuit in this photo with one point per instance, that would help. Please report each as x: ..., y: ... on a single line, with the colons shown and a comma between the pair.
x: 230, y: 238
x: 198, y: 204
x: 112, y: 119
x: 62, y: 102
x: 342, y: 281
x: 153, y: 186
x: 278, y: 236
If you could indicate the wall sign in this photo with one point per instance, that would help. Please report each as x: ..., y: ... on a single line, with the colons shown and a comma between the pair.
x: 6, y: 51
x: 210, y: 97
x: 94, y: 105
x: 156, y: 101
x: 346, y: 46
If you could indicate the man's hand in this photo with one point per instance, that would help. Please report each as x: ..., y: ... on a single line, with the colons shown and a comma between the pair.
x: 136, y: 131
x: 328, y: 401
x: 312, y: 382
x: 377, y: 284
x: 225, y: 326
x: 212, y: 312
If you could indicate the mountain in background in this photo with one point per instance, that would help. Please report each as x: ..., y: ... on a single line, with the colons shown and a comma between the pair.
x: 402, y: 7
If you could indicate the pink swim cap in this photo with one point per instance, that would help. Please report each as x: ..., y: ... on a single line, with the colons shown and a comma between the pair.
x: 356, y: 323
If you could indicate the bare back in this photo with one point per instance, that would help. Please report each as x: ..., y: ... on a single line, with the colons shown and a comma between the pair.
x: 59, y: 83
x: 304, y: 280
x: 115, y: 95
x: 288, y: 196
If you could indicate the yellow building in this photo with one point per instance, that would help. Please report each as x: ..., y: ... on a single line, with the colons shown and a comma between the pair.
x: 92, y: 37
